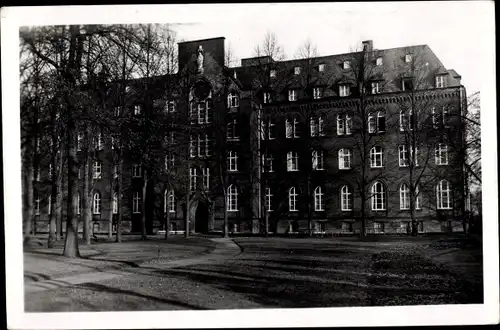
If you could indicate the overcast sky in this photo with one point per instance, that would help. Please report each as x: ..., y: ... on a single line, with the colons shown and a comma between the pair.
x: 455, y: 31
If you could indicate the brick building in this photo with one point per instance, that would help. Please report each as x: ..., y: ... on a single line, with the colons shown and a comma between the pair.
x: 301, y: 143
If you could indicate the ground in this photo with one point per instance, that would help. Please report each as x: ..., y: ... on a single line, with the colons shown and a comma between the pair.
x: 202, y: 274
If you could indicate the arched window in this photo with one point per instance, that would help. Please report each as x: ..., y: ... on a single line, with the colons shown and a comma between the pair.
x: 136, y: 203
x: 319, y: 201
x: 169, y: 201
x: 292, y: 199
x: 441, y: 154
x: 376, y: 157
x: 406, y: 120
x: 344, y: 158
x: 317, y: 160
x: 233, y: 100
x: 232, y: 198
x: 372, y: 125
x: 404, y: 197
x: 115, y: 203
x: 443, y: 193
x: 346, y: 198
x: 97, y: 203
x: 344, y: 124
x: 378, y: 196
x: 381, y: 121
x: 292, y: 161
x: 417, y: 198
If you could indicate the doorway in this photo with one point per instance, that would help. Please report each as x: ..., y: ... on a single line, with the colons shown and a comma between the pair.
x: 201, y: 218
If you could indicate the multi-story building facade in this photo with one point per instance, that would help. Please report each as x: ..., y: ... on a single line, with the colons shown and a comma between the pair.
x: 312, y: 144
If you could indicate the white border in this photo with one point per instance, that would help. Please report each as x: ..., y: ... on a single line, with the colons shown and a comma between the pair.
x: 14, y: 17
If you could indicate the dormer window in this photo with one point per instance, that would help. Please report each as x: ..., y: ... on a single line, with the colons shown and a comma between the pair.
x: 316, y: 93
x: 170, y: 106
x: 137, y: 109
x: 346, y: 65
x: 408, y: 58
x: 379, y: 61
x: 292, y: 95
x: 272, y: 74
x: 375, y: 87
x: 407, y: 84
x: 344, y: 90
x: 321, y: 67
x: 267, y: 97
x: 297, y: 69
x: 233, y: 100
x: 440, y: 81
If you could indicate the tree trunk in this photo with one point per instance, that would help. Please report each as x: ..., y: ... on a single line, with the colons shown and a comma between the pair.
x: 143, y: 206
x: 87, y: 197
x: 52, y: 219
x: 309, y: 207
x: 28, y: 207
x: 112, y: 192
x: 59, y: 196
x: 120, y: 211
x: 186, y: 225
x: 167, y: 220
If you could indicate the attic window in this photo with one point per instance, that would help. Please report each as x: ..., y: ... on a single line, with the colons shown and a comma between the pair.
x: 321, y: 67
x: 440, y: 81
x: 272, y: 73
x: 234, y: 75
x: 407, y: 84
x: 346, y: 65
x: 408, y: 58
x: 380, y: 61
x: 297, y: 69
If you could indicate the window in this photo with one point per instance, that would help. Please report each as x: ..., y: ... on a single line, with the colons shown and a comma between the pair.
x: 170, y: 106
x: 232, y: 198
x: 271, y: 129
x: 115, y: 171
x: 375, y: 87
x: 96, y: 205
x: 317, y: 93
x: 169, y: 161
x: 269, y: 197
x: 344, y: 90
x: 114, y: 142
x: 136, y: 170
x: 201, y: 112
x: 403, y: 156
x: 316, y: 126
x: 407, y: 84
x: 50, y: 171
x: 346, y: 65
x: 378, y: 227
x: 136, y: 203
x: 321, y: 125
x: 115, y: 203
x: 38, y: 145
x: 272, y: 73
x: 193, y: 176
x: 78, y: 203
x: 79, y: 172
x: 346, y: 227
x: 376, y: 157
x: 435, y: 118
x: 443, y: 194
x: 346, y: 198
x: 97, y: 169
x: 344, y: 159
x: 406, y: 120
x: 169, y: 201
x: 267, y: 97
x: 79, y: 141
x: 297, y: 70
x: 408, y: 58
x: 319, y: 201
x: 232, y: 130
x: 292, y: 161
x: 292, y: 95
x: 37, y: 203
x: 233, y: 100
x: 268, y: 162
x: 37, y: 174
x: 291, y: 128
x: 441, y: 154
x: 232, y: 160
x: 192, y: 146
x: 98, y: 141
x: 379, y: 61
x: 317, y: 160
x: 381, y: 121
x: 49, y: 205
x: 445, y: 116
x: 203, y: 145
x: 417, y: 198
x: 206, y: 178
x: 137, y: 109
x: 372, y: 126
x: 118, y: 111
x: 404, y: 197
x: 292, y: 200
x: 344, y: 124
x: 440, y: 81
x: 378, y: 197
x: 321, y: 67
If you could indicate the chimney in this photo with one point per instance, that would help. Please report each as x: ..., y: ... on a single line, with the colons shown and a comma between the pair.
x: 368, y: 45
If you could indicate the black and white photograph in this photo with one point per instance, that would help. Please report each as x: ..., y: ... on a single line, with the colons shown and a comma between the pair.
x: 236, y: 165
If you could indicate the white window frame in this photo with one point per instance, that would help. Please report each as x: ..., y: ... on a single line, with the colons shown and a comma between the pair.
x: 292, y: 161
x: 272, y: 73
x: 232, y: 198
x: 313, y: 127
x: 417, y: 198
x: 233, y: 100
x: 137, y: 109
x: 372, y: 123
x: 340, y: 125
x: 97, y: 169
x: 115, y: 171
x: 266, y: 98
x: 404, y: 197
x: 379, y: 61
x: 317, y: 93
x: 50, y: 171
x: 346, y: 65
x: 98, y: 141
x: 317, y: 160
x: 232, y: 161
x: 170, y: 106
x: 292, y: 95
x: 79, y: 141
x: 441, y: 153
x: 408, y: 58
x: 319, y: 201
x: 268, y: 202
x: 376, y: 154
x: 267, y: 162
x: 297, y: 70
x: 96, y: 203
x: 440, y: 81
x: 378, y: 227
x: 404, y: 160
x: 321, y: 126
x: 136, y: 203
x: 292, y: 200
x: 117, y: 111
x: 344, y: 154
x: 232, y: 130
x: 346, y: 198
x: 114, y: 205
x: 193, y: 178
x: 321, y: 67
x: 136, y: 170
x: 206, y: 178
x: 270, y: 129
x: 443, y: 195
x: 445, y: 116
x: 169, y: 201
x: 344, y: 90
x: 375, y: 87
x: 378, y: 197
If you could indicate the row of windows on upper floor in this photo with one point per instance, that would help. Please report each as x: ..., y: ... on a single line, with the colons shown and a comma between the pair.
x: 378, y: 198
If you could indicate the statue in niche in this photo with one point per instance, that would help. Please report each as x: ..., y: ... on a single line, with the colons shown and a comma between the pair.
x: 200, y: 59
